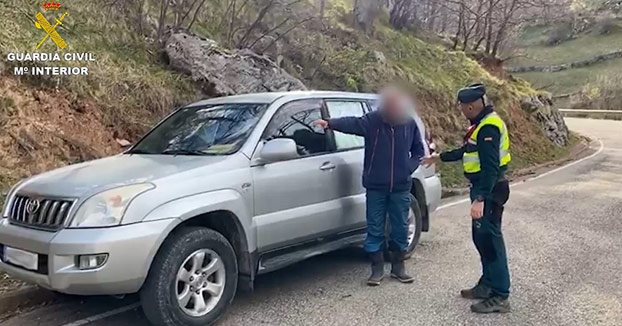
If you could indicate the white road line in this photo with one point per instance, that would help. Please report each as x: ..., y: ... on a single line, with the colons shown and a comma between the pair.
x: 600, y: 149
x: 103, y: 315
x: 135, y: 305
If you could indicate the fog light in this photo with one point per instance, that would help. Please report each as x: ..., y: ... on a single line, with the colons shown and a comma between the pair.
x: 91, y: 261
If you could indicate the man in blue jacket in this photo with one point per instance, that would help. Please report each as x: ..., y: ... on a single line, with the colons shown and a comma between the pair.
x: 393, y: 148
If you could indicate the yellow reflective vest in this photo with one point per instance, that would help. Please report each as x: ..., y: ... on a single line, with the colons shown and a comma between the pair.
x: 470, y: 159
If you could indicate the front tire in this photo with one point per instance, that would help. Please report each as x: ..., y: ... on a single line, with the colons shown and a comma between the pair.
x: 192, y: 279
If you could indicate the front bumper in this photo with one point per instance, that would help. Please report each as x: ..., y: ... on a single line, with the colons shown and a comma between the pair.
x: 131, y: 249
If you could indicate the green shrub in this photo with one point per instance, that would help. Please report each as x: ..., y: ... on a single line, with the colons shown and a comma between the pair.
x: 606, y: 25
x: 603, y: 94
x: 559, y: 33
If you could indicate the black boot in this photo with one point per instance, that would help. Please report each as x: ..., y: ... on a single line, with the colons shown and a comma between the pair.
x: 491, y: 305
x: 479, y: 291
x: 398, y: 269
x: 377, y: 268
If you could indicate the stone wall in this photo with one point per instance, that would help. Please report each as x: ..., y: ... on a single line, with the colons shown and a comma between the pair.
x: 574, y: 64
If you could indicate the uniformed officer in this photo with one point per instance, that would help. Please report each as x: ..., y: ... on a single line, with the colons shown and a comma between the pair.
x: 485, y: 156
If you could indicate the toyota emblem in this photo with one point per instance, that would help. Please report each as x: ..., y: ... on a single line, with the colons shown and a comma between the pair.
x: 32, y: 206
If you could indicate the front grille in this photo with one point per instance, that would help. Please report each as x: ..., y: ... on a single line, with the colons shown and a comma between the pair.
x: 40, y: 213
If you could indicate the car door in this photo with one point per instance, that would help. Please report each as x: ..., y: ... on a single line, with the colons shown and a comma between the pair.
x: 297, y: 199
x: 349, y: 165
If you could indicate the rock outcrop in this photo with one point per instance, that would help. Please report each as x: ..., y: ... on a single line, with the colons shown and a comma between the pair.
x: 550, y: 119
x: 221, y: 72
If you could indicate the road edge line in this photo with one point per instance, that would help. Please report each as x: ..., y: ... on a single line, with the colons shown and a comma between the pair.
x: 598, y: 151
x: 103, y: 315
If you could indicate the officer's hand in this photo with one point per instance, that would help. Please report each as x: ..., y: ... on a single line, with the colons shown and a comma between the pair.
x: 477, y: 210
x: 432, y: 159
x: 321, y: 122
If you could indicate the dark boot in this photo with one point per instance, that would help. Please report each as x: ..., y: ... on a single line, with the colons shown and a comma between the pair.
x: 377, y: 268
x: 479, y: 291
x: 491, y: 305
x: 398, y: 269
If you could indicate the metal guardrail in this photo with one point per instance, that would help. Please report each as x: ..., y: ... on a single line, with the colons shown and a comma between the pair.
x: 591, y: 111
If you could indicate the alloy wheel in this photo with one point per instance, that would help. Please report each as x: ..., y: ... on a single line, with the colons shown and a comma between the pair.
x: 200, y: 282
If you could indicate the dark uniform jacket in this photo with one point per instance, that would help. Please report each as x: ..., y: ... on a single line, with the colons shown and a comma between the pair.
x: 488, y: 139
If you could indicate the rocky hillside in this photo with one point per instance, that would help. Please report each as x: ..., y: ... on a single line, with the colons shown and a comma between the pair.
x: 135, y: 80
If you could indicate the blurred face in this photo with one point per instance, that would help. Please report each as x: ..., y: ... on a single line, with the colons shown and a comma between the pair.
x: 394, y: 104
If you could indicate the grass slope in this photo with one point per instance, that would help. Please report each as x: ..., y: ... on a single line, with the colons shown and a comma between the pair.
x: 573, y: 80
x: 48, y: 122
x: 583, y: 46
x: 126, y: 78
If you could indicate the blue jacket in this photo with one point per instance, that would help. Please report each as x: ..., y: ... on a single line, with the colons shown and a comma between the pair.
x: 392, y: 152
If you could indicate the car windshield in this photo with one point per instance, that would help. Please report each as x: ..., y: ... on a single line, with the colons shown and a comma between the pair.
x: 202, y: 130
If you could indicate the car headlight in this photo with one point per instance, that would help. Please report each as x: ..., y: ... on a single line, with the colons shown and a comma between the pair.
x: 107, y: 208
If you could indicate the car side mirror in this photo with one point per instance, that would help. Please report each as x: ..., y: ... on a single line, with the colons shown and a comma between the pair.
x: 279, y: 149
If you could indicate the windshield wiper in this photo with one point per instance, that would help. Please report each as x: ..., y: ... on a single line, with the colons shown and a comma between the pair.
x: 183, y: 152
x: 138, y: 151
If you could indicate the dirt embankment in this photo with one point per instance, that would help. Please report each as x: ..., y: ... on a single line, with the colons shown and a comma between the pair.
x: 42, y: 129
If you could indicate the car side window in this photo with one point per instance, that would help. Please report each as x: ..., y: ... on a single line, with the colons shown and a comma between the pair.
x: 373, y: 104
x: 294, y: 120
x: 338, y: 109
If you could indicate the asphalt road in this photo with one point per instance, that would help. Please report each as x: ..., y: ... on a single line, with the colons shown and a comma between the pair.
x: 564, y: 236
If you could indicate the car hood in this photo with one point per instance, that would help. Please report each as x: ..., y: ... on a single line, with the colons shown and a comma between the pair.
x: 76, y: 180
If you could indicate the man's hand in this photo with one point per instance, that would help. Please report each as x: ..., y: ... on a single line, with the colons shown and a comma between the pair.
x: 477, y: 209
x: 321, y: 122
x: 432, y: 159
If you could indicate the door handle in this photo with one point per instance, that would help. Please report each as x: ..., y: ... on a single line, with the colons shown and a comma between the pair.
x: 327, y: 166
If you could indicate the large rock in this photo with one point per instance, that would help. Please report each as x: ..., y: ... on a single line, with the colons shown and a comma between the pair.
x: 550, y: 119
x: 221, y: 72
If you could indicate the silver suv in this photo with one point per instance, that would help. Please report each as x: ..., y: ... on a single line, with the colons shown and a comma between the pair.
x: 218, y: 192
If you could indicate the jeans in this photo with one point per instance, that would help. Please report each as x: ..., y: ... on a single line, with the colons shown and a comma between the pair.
x: 396, y: 205
x: 488, y: 240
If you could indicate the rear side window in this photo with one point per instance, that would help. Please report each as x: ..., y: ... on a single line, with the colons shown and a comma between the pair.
x: 373, y: 104
x: 294, y: 120
x: 338, y: 109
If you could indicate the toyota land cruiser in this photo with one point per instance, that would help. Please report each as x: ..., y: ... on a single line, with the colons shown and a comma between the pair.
x: 218, y: 192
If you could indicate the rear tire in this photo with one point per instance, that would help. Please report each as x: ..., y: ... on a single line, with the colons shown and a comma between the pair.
x: 185, y: 251
x: 417, y: 219
x: 415, y: 224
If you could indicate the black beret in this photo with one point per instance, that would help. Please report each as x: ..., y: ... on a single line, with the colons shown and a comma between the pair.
x: 471, y: 93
